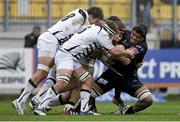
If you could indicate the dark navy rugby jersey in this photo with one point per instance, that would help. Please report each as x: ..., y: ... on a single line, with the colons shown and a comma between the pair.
x: 140, y: 50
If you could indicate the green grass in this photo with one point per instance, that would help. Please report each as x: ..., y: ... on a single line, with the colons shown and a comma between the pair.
x: 157, y: 112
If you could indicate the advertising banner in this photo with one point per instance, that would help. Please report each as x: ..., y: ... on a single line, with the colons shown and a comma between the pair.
x: 15, y: 68
x: 161, y: 66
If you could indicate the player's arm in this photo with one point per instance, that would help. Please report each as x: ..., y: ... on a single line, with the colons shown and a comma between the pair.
x: 123, y: 56
x: 119, y: 51
x: 107, y: 58
x: 124, y: 60
x: 112, y: 51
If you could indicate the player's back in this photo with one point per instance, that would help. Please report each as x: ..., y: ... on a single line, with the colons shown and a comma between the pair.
x: 70, y: 23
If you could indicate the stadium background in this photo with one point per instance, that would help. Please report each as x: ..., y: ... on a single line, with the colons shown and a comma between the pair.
x: 161, y: 69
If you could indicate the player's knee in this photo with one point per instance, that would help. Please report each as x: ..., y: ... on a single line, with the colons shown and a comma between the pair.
x: 39, y: 75
x: 65, y: 78
x: 148, y: 101
x: 84, y: 77
x: 146, y: 97
x: 43, y: 68
x: 88, y: 82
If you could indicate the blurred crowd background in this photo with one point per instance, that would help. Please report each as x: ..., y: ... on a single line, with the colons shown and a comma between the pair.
x: 161, y: 16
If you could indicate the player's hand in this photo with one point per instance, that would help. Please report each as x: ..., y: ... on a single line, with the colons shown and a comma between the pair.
x: 131, y: 53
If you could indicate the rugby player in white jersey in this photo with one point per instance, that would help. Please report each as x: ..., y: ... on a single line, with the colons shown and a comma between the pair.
x: 79, y: 46
x: 49, y: 42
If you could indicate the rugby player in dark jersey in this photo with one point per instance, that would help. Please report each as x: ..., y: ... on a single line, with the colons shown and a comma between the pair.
x: 124, y: 77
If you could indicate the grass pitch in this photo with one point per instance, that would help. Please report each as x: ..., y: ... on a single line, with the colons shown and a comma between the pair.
x: 157, y: 112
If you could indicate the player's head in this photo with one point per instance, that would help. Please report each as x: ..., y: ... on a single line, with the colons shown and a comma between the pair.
x: 36, y: 30
x: 95, y: 15
x: 120, y: 25
x: 114, y: 18
x: 111, y: 28
x: 138, y: 33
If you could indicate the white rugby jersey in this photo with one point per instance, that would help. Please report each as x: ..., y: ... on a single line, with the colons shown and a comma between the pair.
x: 69, y: 24
x: 85, y: 41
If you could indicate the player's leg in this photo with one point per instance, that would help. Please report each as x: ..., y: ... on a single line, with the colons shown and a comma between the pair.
x: 100, y: 86
x: 68, y: 97
x: 46, y: 53
x: 117, y: 97
x: 65, y: 67
x: 74, y: 97
x: 65, y: 98
x: 144, y: 100
x: 142, y: 93
x: 107, y: 81
x: 63, y: 77
x: 87, y: 81
x: 60, y: 99
x: 51, y: 80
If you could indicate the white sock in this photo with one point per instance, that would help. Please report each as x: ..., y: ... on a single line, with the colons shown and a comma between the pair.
x: 84, y: 95
x: 68, y: 106
x: 40, y: 95
x: 47, y: 98
x: 27, y: 92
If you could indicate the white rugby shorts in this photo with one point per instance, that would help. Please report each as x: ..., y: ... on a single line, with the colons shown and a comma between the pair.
x: 65, y: 60
x: 47, y: 45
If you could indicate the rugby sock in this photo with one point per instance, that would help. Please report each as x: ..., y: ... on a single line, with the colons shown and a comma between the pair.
x: 27, y: 92
x: 51, y: 93
x: 40, y: 95
x: 92, y: 100
x: 84, y: 97
x: 56, y: 101
x: 69, y: 105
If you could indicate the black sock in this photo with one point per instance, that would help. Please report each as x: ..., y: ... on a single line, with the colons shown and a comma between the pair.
x: 78, y: 107
x: 130, y: 110
x: 61, y: 100
x: 92, y: 101
x: 32, y: 83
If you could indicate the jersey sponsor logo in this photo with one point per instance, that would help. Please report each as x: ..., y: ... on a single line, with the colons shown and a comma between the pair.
x: 135, y: 50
